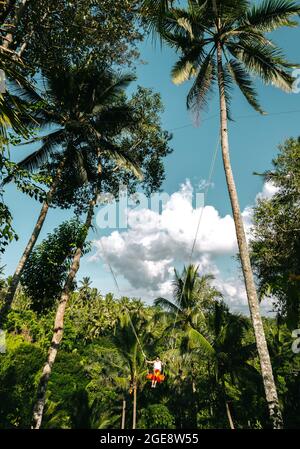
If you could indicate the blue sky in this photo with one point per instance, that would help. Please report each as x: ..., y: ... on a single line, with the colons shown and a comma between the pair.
x: 253, y: 140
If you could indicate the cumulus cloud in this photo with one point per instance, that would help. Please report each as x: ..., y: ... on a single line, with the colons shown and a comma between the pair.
x: 269, y: 190
x: 233, y: 290
x: 146, y: 253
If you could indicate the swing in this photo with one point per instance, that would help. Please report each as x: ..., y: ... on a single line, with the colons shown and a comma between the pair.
x: 157, y: 375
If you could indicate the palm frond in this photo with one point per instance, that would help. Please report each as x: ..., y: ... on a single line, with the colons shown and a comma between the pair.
x: 186, y: 66
x: 182, y: 70
x: 228, y: 86
x: 115, y: 87
x: 11, y: 112
x: 190, y: 24
x: 47, y: 149
x: 114, y: 118
x: 266, y: 62
x: 244, y: 82
x: 271, y: 14
x: 187, y: 25
x: 167, y: 305
x: 197, y: 97
x: 121, y: 157
x: 152, y: 12
x: 197, y: 341
x: 230, y: 10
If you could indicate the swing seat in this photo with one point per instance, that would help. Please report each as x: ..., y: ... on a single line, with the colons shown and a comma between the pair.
x: 156, y: 376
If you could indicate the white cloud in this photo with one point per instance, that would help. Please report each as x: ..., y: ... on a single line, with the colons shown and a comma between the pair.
x: 234, y: 292
x: 146, y: 253
x: 269, y: 190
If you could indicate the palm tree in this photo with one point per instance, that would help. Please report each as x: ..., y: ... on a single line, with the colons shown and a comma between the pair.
x: 81, y: 103
x: 223, y: 41
x: 124, y: 160
x: 86, y: 291
x: 85, y: 285
x: 192, y: 294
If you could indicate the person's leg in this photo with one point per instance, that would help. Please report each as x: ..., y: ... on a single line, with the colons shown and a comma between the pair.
x: 153, y: 379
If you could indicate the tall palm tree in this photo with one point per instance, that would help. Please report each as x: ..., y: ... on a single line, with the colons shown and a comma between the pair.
x: 102, y: 148
x: 81, y: 103
x: 192, y: 294
x: 66, y: 292
x: 222, y: 42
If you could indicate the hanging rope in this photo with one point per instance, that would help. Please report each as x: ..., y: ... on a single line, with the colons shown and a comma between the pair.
x: 119, y: 291
x: 211, y: 172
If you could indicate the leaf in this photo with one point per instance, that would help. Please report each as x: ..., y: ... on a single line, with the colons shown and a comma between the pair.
x: 198, y: 341
x: 197, y: 97
x: 271, y: 14
x: 243, y: 81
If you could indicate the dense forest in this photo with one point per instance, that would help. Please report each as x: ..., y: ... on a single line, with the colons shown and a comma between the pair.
x: 72, y: 356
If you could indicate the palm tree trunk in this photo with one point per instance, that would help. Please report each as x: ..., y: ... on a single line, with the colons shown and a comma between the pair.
x: 228, y: 412
x: 29, y: 247
x: 194, y: 406
x: 123, y: 414
x: 59, y: 318
x: 134, y: 403
x: 263, y: 352
x: 59, y: 326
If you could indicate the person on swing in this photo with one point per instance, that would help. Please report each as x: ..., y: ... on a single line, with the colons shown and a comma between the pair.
x: 157, y: 369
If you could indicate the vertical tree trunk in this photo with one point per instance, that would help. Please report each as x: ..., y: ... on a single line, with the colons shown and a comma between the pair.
x: 29, y: 247
x: 228, y: 412
x: 263, y: 352
x: 194, y: 405
x: 134, y: 403
x: 59, y: 326
x: 123, y: 414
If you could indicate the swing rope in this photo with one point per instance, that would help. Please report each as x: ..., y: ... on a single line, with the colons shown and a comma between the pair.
x: 211, y: 172
x: 119, y: 291
x: 210, y: 176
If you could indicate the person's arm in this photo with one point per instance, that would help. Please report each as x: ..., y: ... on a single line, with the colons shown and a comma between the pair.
x: 149, y: 361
